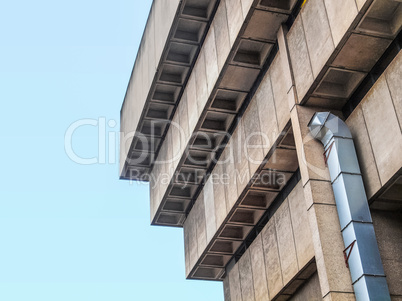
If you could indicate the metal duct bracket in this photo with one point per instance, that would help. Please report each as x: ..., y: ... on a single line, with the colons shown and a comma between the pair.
x: 357, y: 229
x: 348, y: 255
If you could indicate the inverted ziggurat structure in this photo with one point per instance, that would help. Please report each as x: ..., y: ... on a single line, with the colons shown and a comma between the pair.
x: 270, y: 131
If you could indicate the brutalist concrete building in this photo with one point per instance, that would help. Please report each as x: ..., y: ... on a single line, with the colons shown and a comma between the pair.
x: 270, y: 131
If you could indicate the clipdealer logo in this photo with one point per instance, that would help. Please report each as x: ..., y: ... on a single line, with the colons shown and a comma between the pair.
x: 245, y: 148
x: 107, y: 141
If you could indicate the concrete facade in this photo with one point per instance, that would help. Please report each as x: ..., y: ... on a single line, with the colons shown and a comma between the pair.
x: 215, y: 119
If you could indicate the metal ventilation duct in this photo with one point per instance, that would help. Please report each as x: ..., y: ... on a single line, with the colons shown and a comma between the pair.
x: 361, y: 253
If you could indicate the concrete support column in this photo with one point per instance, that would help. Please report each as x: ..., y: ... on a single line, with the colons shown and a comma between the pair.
x: 335, y: 280
x: 334, y: 277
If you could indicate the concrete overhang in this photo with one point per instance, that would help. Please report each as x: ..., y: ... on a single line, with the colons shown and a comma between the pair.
x: 173, y: 35
x: 389, y: 198
x: 250, y: 56
x: 331, y: 61
x: 266, y: 189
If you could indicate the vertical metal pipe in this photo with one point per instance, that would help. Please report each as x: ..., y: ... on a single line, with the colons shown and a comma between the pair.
x: 361, y: 250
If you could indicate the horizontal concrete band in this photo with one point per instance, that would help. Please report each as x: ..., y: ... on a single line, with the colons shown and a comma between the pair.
x: 214, y: 100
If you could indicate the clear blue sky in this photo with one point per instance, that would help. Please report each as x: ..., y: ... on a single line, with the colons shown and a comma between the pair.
x: 71, y: 231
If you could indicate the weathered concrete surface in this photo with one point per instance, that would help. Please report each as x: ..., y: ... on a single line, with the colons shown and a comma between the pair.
x: 266, y: 112
x: 246, y: 277
x: 302, y: 234
x: 149, y: 45
x: 360, y: 3
x: 283, y: 159
x: 287, y: 71
x: 192, y: 240
x: 235, y: 18
x: 286, y: 243
x: 356, y: 57
x: 318, y: 34
x: 309, y: 151
x: 280, y: 91
x: 393, y: 76
x: 239, y: 78
x: 226, y: 288
x: 275, y: 258
x: 321, y: 30
x: 209, y: 209
x: 221, y: 30
x: 184, y: 122
x: 230, y: 169
x: 199, y: 211
x: 375, y: 126
x: 340, y: 297
x: 341, y: 15
x: 219, y: 195
x: 269, y: 105
x: 201, y: 81
x: 246, y: 5
x: 328, y: 246
x: 192, y: 106
x: 323, y: 218
x: 383, y: 129
x: 309, y: 291
x: 361, y: 139
x: 388, y: 230
x: 176, y: 140
x: 234, y: 284
x: 169, y: 153
x: 165, y: 11
x: 318, y: 189
x: 211, y: 59
x: 259, y: 268
x: 272, y: 260
x: 301, y: 65
x: 262, y: 20
x: 254, y: 142
x: 240, y: 159
x: 150, y: 51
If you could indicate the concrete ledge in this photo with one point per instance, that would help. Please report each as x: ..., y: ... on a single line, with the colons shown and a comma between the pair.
x: 172, y: 38
x: 376, y: 123
x: 334, y: 44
